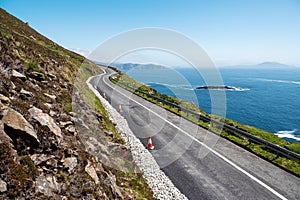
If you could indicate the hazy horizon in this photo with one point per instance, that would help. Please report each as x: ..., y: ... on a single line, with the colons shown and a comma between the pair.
x: 263, y: 64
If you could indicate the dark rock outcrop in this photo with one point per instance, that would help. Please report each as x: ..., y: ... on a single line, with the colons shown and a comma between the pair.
x: 16, y: 126
x: 37, y: 76
x: 45, y: 120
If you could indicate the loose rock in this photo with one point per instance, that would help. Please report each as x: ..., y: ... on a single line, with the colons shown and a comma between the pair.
x: 114, y: 188
x: 4, y: 99
x: 52, y: 76
x: 37, y: 76
x: 92, y: 172
x: 52, y: 113
x: 47, y: 185
x: 3, y: 186
x: 71, y: 129
x: 26, y: 93
x: 17, y: 125
x: 45, y: 120
x: 65, y: 124
x: 39, y: 158
x: 48, y: 105
x: 52, y: 97
x: 16, y: 74
x: 70, y: 163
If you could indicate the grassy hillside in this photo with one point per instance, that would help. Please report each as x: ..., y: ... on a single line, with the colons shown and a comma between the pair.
x: 52, y: 160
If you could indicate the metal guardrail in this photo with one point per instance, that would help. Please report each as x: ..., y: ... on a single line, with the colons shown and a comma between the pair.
x: 231, y: 130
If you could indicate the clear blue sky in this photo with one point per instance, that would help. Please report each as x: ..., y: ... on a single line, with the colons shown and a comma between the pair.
x: 232, y: 32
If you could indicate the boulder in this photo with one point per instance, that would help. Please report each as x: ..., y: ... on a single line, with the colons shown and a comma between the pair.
x: 26, y: 93
x: 48, y: 105
x: 52, y: 113
x: 53, y: 97
x: 73, y: 114
x: 65, y: 124
x: 93, y: 146
x: 13, y: 86
x: 47, y: 185
x: 45, y: 83
x: 54, y: 61
x: 114, y: 188
x: 39, y: 158
x: 4, y: 99
x: 32, y: 37
x: 37, y: 76
x: 52, y: 76
x: 33, y: 85
x: 64, y: 85
x: 16, y: 74
x: 3, y: 186
x: 71, y: 129
x: 4, y: 138
x: 15, y: 125
x: 53, y: 163
x: 110, y: 134
x: 45, y: 120
x: 70, y: 163
x: 92, y: 172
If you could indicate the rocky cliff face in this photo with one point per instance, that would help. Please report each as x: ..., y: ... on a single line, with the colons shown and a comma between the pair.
x: 46, y: 150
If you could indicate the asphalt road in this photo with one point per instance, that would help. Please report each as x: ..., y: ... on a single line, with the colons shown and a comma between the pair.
x: 223, y: 171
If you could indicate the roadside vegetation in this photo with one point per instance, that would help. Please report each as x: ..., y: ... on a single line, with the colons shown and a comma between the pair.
x: 290, y: 165
x: 125, y: 179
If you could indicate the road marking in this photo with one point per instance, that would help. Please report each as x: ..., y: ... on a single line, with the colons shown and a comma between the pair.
x: 203, y: 144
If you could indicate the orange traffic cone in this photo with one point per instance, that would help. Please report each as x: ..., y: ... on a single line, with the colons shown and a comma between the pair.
x: 150, y: 146
x: 120, y: 108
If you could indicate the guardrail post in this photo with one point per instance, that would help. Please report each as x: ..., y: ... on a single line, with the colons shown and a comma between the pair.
x: 199, y: 118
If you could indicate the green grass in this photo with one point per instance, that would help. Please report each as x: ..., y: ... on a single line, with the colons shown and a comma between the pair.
x: 21, y: 174
x: 87, y: 70
x: 32, y: 65
x: 288, y: 164
x: 292, y: 146
x: 134, y: 181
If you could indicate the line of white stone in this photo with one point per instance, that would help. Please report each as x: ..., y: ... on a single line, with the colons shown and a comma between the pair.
x: 161, y: 185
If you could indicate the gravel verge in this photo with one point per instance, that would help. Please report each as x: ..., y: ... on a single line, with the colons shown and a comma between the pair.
x: 161, y: 185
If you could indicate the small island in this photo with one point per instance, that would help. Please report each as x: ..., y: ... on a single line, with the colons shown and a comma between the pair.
x: 217, y: 87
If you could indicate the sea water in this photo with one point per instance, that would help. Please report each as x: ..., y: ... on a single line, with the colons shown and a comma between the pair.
x: 265, y: 98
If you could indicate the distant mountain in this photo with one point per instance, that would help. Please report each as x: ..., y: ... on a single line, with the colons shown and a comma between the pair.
x: 273, y: 65
x: 129, y: 66
x: 264, y: 65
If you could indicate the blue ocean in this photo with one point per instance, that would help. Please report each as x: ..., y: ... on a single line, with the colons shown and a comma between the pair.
x: 265, y: 98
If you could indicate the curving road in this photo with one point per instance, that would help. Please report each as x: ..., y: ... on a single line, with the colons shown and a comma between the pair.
x: 182, y: 150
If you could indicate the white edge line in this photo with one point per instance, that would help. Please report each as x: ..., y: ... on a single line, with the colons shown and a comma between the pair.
x: 203, y: 144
